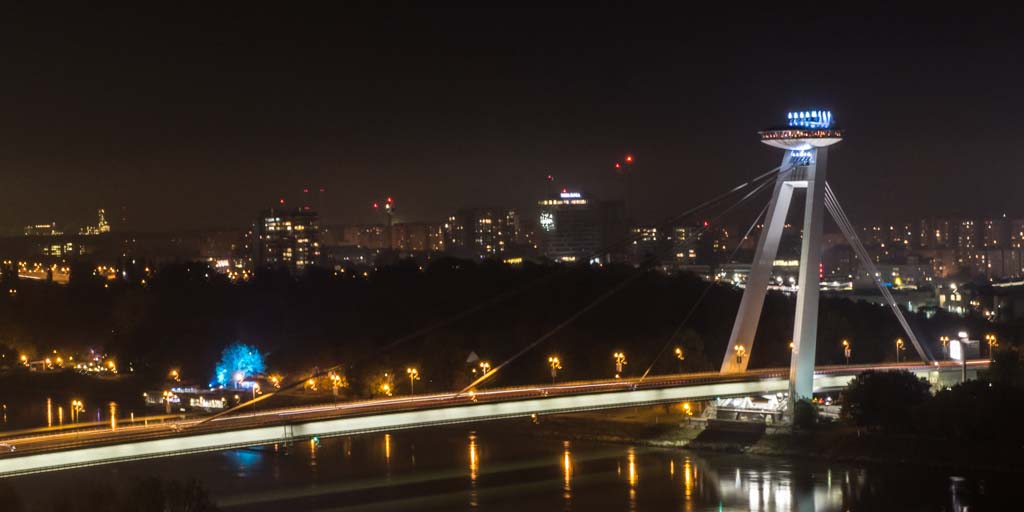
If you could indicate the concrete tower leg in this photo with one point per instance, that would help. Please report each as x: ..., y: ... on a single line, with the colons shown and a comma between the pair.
x: 745, y: 326
x: 805, y: 324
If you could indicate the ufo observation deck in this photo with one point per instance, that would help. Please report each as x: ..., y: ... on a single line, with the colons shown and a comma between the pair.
x: 804, y: 130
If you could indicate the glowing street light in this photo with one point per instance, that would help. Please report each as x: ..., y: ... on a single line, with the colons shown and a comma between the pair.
x: 900, y: 346
x: 414, y: 375
x: 680, y: 356
x: 847, y: 350
x: 167, y: 401
x: 77, y: 407
x: 992, y: 344
x: 945, y: 345
x: 485, y: 366
x: 620, y: 361
x: 175, y: 375
x: 791, y: 346
x: 555, y: 364
x: 741, y: 351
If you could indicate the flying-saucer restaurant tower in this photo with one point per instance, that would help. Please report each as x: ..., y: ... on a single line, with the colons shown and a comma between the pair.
x: 805, y: 138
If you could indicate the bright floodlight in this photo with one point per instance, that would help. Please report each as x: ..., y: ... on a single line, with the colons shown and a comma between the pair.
x: 804, y: 130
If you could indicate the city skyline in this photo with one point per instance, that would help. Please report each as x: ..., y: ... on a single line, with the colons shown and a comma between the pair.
x: 358, y: 105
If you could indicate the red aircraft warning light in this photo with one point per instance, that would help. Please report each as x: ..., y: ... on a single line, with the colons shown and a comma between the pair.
x: 629, y: 159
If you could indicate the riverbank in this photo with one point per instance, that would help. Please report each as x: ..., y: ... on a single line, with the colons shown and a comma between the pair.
x: 658, y: 427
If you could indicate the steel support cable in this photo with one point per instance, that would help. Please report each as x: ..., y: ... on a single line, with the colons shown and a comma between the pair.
x: 862, y: 254
x: 700, y: 298
x: 846, y: 226
x: 832, y: 203
x: 599, y: 300
x: 760, y: 180
x: 622, y: 284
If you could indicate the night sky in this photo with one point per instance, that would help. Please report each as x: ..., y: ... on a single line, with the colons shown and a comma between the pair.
x: 199, y: 119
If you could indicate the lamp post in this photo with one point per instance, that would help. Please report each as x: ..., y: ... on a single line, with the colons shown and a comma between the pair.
x: 555, y: 365
x: 945, y: 345
x: 900, y: 346
x: 847, y: 351
x: 992, y: 344
x: 680, y: 355
x: 620, y: 361
x: 414, y: 375
x: 485, y: 367
x: 77, y: 407
x: 740, y: 352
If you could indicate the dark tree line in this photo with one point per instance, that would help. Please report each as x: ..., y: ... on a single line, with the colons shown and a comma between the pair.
x: 185, y: 314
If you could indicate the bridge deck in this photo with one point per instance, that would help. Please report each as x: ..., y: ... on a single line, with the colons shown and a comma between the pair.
x: 91, y: 447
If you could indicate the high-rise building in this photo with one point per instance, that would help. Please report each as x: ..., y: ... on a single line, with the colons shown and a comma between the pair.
x: 574, y: 227
x: 101, y: 226
x: 286, y: 239
x: 995, y: 233
x: 481, y: 232
x: 48, y: 229
x: 418, y: 236
x: 1016, y: 229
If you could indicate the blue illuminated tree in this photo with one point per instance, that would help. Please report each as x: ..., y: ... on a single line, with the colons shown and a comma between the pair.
x: 238, y: 359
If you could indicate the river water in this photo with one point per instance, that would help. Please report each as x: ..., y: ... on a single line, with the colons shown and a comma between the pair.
x: 491, y: 469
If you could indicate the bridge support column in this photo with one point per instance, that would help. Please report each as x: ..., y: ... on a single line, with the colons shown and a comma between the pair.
x: 805, y: 323
x: 802, y: 168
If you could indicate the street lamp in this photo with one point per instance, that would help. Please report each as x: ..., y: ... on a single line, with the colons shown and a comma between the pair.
x: 847, y: 350
x: 414, y: 375
x: 900, y: 346
x: 740, y: 352
x: 174, y: 375
x: 77, y: 407
x: 485, y: 366
x: 992, y: 343
x: 255, y: 390
x: 680, y: 355
x: 620, y: 361
x: 555, y: 365
x: 167, y: 401
x: 945, y: 345
x: 791, y: 346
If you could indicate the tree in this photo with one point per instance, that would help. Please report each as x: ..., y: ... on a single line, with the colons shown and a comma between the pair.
x: 1007, y: 368
x: 238, y: 359
x: 884, y: 399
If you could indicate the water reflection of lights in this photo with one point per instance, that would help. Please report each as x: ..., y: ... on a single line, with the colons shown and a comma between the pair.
x: 688, y: 478
x: 633, y: 477
x: 566, y: 471
x: 474, y: 470
x: 387, y: 448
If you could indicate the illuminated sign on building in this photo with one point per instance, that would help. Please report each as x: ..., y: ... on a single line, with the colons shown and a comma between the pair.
x: 810, y: 119
x: 571, y: 195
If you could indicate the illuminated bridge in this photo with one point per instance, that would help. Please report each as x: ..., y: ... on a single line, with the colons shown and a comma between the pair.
x: 805, y: 139
x: 134, y: 442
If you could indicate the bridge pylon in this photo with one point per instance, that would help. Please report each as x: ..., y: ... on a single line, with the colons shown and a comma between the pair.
x: 805, y: 139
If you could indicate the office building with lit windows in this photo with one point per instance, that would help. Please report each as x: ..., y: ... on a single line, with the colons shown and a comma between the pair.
x: 287, y: 239
x: 574, y: 227
x: 481, y: 232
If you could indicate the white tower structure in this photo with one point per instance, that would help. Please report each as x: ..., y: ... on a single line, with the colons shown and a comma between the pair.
x: 805, y: 138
